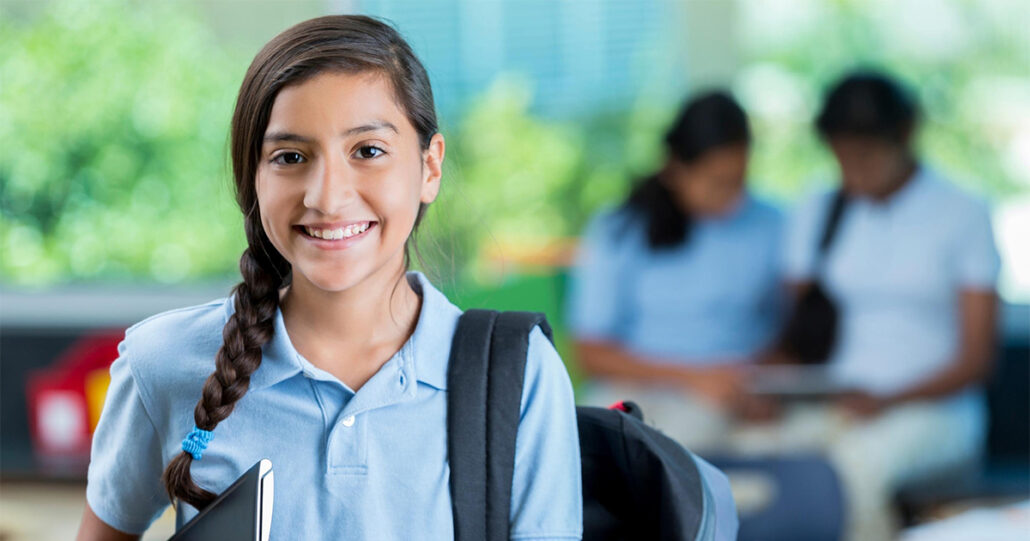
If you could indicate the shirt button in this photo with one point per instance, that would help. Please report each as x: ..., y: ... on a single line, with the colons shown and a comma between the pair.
x: 349, y: 421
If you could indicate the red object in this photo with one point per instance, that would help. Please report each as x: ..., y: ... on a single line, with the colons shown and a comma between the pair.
x: 620, y: 405
x: 58, y: 406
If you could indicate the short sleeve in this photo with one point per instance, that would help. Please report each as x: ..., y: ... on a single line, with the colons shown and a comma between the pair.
x: 978, y: 262
x: 593, y: 308
x: 547, y: 496
x: 124, y: 486
x: 803, y: 226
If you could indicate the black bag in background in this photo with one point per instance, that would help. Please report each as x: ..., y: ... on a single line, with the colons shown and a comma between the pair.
x: 811, y: 329
x: 637, y: 483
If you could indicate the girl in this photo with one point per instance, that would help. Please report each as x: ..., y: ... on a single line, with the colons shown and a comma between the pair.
x: 678, y: 287
x: 328, y: 358
x: 912, y: 269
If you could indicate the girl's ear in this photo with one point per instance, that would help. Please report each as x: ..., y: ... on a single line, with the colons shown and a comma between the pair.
x: 432, y: 170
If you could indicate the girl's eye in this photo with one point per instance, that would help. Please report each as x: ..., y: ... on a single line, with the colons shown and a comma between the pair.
x: 368, y: 152
x: 288, y: 158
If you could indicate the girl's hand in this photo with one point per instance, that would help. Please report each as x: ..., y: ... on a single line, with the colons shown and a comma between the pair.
x: 721, y: 385
x: 862, y: 404
x: 757, y: 409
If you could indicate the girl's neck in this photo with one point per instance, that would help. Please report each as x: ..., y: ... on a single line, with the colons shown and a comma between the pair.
x: 903, y: 174
x: 359, y: 328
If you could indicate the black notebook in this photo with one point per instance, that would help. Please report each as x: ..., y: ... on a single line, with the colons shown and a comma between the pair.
x: 242, y: 513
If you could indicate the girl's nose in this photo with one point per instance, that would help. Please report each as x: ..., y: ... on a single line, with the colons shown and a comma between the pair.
x: 331, y: 187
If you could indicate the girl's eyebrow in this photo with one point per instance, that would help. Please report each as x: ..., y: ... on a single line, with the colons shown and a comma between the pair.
x: 278, y: 136
x: 373, y: 126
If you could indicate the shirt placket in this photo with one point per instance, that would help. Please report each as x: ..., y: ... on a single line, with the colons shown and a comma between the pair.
x: 348, y: 415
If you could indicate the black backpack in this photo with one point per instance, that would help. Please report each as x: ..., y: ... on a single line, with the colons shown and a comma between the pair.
x: 637, y: 483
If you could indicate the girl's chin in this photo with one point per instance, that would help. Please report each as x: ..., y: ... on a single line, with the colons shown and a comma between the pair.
x: 338, y: 276
x: 334, y: 281
x: 337, y: 279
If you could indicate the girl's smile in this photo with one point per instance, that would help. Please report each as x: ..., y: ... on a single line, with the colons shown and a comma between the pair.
x: 338, y: 236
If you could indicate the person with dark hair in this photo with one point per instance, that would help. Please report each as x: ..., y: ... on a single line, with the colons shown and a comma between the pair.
x: 329, y: 358
x: 678, y: 288
x: 911, y: 269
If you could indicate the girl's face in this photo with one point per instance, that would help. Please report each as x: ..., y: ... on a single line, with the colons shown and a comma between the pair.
x: 870, y: 167
x: 341, y: 177
x: 712, y: 184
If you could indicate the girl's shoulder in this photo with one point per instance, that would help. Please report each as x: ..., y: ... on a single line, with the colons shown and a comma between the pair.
x: 188, y: 319
x: 615, y: 228
x: 433, y: 340
x: 765, y: 208
x: 943, y: 196
x: 179, y: 331
x: 173, y: 352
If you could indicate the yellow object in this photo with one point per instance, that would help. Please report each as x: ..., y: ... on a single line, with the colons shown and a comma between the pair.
x: 97, y: 382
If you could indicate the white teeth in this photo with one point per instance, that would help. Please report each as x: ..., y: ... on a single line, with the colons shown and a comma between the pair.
x: 336, y: 234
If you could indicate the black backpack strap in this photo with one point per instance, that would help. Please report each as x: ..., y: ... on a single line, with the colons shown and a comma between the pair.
x: 466, y: 422
x: 832, y: 222
x: 484, y: 397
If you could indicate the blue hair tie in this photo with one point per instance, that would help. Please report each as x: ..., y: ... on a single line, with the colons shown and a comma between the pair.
x: 196, y: 441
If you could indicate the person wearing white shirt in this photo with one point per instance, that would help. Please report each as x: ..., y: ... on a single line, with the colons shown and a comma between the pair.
x: 912, y: 270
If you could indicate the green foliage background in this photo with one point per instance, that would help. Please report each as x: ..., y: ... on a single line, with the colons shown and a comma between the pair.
x: 115, y: 120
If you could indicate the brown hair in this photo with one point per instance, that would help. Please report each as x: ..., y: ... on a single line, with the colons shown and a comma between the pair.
x: 340, y: 43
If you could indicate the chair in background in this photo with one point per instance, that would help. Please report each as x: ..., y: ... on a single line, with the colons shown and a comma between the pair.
x: 807, y: 503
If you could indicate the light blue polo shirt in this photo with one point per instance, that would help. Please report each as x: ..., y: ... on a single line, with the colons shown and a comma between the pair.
x: 715, y: 298
x: 364, y: 465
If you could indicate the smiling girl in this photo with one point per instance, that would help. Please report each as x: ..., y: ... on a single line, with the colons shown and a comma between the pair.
x: 329, y: 358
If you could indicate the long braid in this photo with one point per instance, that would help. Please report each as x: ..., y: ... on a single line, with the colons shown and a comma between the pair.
x: 247, y: 330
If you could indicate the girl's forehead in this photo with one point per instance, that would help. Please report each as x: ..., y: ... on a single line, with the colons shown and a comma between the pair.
x: 337, y: 103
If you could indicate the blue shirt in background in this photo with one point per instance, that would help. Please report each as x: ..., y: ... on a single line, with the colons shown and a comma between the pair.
x: 370, y: 464
x: 715, y: 298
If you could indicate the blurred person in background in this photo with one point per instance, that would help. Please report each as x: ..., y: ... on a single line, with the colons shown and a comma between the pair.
x: 912, y: 271
x: 678, y: 288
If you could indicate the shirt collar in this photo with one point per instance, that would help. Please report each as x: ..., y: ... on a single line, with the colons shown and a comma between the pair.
x: 429, y: 345
x: 913, y: 185
x: 279, y: 360
x: 739, y: 211
x: 922, y: 175
x: 434, y: 332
